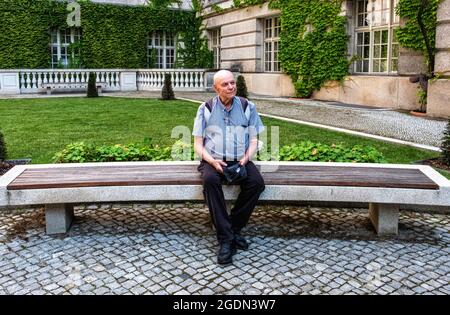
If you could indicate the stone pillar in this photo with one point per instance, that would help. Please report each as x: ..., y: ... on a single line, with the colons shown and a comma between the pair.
x: 58, y: 218
x: 384, y: 218
x: 9, y: 83
x: 438, y: 102
x: 128, y: 81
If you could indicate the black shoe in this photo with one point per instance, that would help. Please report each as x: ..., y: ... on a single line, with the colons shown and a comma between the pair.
x: 240, y: 242
x: 226, y: 252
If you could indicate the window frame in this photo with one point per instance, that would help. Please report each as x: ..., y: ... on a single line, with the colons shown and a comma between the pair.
x: 75, y: 34
x: 215, y: 46
x: 164, y: 48
x: 391, y: 26
x: 273, y: 42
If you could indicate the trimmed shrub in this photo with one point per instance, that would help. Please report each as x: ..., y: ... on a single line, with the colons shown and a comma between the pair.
x: 2, y: 148
x: 92, y: 89
x: 241, y: 87
x: 445, y: 146
x: 167, y: 91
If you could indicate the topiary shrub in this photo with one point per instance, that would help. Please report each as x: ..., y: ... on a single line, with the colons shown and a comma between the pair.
x: 167, y: 91
x: 445, y: 146
x: 241, y: 87
x: 2, y: 148
x: 92, y: 88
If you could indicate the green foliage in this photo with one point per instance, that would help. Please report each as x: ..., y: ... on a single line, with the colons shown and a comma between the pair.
x: 313, y: 41
x: 445, y: 146
x: 167, y: 91
x: 241, y: 87
x: 309, y: 151
x: 3, y: 151
x: 113, y: 36
x: 81, y: 152
x: 409, y: 35
x: 193, y: 50
x: 92, y: 88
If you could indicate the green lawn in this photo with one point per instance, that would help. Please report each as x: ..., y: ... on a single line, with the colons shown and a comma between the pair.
x: 38, y: 128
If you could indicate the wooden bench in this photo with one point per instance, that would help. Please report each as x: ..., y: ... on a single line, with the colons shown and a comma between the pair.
x: 384, y: 186
x: 71, y: 85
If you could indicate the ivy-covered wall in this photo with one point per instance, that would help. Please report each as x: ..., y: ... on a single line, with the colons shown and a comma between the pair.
x: 313, y: 43
x: 112, y: 36
x: 410, y: 35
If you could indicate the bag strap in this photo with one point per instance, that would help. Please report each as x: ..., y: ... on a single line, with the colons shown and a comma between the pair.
x: 210, y: 103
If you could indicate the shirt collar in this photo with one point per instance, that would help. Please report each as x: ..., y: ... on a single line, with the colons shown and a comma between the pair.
x: 222, y: 107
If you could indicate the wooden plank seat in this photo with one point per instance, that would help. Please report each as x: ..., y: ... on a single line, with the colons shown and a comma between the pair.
x: 384, y: 186
x: 71, y: 85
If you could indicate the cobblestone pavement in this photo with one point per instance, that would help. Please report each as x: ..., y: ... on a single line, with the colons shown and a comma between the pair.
x: 171, y: 249
x: 378, y: 121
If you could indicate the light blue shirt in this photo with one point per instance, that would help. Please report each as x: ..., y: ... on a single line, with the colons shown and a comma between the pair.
x: 227, y: 134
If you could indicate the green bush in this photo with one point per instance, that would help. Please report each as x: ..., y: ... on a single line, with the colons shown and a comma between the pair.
x: 241, y: 87
x: 445, y: 146
x: 167, y: 91
x: 92, y: 88
x: 309, y: 151
x: 81, y: 152
x: 2, y: 148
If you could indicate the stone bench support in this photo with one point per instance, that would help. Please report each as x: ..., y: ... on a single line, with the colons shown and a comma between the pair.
x: 384, y: 218
x: 58, y: 218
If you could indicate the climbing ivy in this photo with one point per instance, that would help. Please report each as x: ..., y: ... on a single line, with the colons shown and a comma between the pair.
x: 313, y: 41
x: 410, y: 35
x: 112, y: 36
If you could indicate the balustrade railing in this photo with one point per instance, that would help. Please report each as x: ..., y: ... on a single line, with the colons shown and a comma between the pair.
x: 17, y: 81
x: 182, y: 79
x: 34, y: 80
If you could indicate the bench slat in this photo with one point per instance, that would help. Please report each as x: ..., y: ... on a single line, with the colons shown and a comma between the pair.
x: 133, y: 175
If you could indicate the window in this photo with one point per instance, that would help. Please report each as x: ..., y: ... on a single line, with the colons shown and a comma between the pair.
x: 375, y: 36
x: 62, y: 55
x: 272, y: 27
x: 215, y: 46
x: 161, y: 50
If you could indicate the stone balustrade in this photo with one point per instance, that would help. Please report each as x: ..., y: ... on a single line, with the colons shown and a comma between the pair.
x: 22, y: 81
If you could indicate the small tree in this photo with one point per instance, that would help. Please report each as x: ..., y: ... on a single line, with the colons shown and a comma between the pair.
x: 92, y: 88
x: 167, y: 91
x: 241, y: 87
x: 2, y: 148
x: 445, y: 146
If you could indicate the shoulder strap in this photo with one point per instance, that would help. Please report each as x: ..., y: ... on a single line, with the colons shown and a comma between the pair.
x: 209, y: 106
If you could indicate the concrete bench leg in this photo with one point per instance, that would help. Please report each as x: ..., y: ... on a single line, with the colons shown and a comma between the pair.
x: 58, y: 218
x: 384, y: 218
x: 49, y: 90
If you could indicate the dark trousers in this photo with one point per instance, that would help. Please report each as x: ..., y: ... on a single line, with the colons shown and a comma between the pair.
x: 251, y: 187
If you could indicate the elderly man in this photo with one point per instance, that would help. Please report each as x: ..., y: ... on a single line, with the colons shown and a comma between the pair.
x: 225, y: 132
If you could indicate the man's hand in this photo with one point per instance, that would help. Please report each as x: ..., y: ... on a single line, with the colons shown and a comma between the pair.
x: 244, y: 160
x: 217, y: 164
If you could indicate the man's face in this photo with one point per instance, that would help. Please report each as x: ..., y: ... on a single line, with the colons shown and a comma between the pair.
x: 226, y: 87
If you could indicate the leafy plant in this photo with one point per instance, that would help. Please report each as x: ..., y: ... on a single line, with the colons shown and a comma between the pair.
x: 81, y: 152
x: 241, y: 87
x: 92, y: 88
x: 3, y: 151
x: 167, y: 91
x: 309, y: 151
x: 445, y: 146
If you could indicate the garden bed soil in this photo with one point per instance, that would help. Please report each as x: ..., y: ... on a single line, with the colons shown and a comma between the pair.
x: 436, y: 163
x: 9, y: 164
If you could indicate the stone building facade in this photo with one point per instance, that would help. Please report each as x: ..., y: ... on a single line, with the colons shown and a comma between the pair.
x: 247, y: 39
